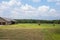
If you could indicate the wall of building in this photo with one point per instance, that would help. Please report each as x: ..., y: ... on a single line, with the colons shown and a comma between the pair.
x: 4, y: 22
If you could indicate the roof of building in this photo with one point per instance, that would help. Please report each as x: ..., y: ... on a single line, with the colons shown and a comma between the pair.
x: 7, y: 19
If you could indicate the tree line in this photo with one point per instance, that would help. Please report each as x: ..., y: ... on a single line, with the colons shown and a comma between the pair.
x: 37, y: 21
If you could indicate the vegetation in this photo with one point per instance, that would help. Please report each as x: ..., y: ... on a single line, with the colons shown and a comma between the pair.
x: 30, y: 32
x: 37, y: 21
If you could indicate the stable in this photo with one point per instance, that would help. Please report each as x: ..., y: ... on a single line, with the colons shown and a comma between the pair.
x: 6, y: 21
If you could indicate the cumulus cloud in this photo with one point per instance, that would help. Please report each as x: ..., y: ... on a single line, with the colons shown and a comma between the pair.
x: 43, y: 8
x: 36, y: 0
x: 53, y: 0
x: 56, y: 1
x: 27, y: 7
x: 15, y: 9
x: 14, y: 2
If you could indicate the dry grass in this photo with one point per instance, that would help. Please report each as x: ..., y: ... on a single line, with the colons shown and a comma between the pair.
x: 35, y: 32
x: 21, y: 34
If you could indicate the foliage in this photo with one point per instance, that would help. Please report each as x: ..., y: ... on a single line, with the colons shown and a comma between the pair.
x: 37, y: 21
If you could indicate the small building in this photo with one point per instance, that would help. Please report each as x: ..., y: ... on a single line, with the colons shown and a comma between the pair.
x: 6, y: 21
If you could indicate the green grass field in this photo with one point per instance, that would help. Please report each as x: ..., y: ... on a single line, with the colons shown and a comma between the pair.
x: 30, y: 32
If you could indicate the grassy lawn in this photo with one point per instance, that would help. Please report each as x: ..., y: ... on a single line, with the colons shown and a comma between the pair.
x: 29, y: 26
x: 30, y: 32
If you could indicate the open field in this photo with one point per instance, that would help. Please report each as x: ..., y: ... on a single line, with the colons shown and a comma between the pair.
x: 30, y: 32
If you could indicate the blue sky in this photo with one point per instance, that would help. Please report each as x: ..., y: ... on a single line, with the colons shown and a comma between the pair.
x: 30, y: 9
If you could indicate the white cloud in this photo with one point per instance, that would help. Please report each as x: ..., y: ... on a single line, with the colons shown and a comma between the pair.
x: 27, y: 7
x: 43, y: 9
x: 36, y: 0
x: 53, y: 12
x: 14, y: 2
x: 56, y: 1
x: 15, y: 9
x: 53, y: 0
